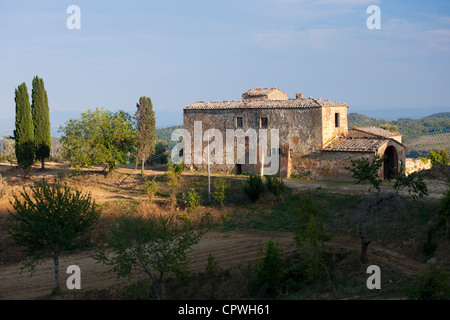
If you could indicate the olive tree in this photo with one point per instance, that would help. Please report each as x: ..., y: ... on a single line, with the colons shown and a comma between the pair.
x: 100, y: 137
x: 153, y: 244
x: 365, y: 171
x: 48, y: 219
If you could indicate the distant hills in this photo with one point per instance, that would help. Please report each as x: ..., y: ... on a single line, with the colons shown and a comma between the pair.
x: 165, y: 134
x: 420, y: 136
x: 438, y: 115
x: 410, y: 128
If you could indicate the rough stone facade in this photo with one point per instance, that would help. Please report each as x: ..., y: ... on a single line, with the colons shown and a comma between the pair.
x: 314, y: 138
x: 413, y: 165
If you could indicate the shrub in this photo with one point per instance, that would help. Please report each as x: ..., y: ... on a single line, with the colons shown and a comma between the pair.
x: 310, y: 238
x: 253, y: 187
x: 193, y: 199
x: 434, y: 158
x: 275, y: 185
x: 432, y: 284
x: 268, y: 273
x: 151, y: 188
x: 220, y: 190
x: 173, y: 174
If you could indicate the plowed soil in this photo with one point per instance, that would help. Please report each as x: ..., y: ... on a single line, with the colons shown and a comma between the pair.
x: 230, y: 249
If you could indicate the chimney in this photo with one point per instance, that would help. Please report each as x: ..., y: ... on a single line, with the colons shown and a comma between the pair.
x: 299, y: 96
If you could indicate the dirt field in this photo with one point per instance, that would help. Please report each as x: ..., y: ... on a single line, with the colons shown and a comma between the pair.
x: 230, y: 249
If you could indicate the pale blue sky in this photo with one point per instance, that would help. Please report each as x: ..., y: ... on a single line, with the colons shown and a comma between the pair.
x: 178, y: 52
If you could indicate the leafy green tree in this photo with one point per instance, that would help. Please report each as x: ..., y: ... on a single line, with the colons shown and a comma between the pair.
x: 389, y: 127
x: 155, y: 245
x: 268, y: 272
x: 434, y: 158
x: 364, y: 171
x: 49, y: 219
x: 24, y: 132
x: 161, y: 149
x: 41, y: 120
x: 146, y: 137
x: 439, y: 155
x: 99, y: 137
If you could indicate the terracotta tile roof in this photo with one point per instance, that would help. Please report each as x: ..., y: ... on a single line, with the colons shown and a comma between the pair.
x: 266, y: 104
x: 377, y: 131
x: 355, y: 144
x: 258, y: 92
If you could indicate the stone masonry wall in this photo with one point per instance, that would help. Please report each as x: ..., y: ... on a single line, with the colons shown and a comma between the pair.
x: 328, y: 123
x: 325, y: 165
x: 301, y: 129
x: 414, y: 165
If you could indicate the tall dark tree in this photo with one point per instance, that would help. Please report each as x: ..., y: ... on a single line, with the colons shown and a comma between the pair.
x: 146, y: 136
x: 41, y: 120
x: 24, y: 132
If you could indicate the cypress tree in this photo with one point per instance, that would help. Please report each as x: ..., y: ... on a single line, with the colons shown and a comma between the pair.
x: 41, y: 120
x: 146, y: 136
x: 24, y: 132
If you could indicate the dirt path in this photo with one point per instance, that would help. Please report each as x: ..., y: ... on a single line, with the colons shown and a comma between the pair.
x: 230, y: 249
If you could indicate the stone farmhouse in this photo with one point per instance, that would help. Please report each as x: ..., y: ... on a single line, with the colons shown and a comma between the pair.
x: 314, y: 138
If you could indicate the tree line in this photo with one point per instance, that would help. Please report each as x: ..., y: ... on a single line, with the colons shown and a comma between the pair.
x: 103, y: 137
x: 98, y: 137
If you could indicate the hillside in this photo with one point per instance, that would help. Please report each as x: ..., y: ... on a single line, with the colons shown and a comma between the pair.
x: 165, y: 134
x: 420, y: 136
x: 438, y: 115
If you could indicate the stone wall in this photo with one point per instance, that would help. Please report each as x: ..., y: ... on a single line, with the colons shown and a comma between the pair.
x: 325, y: 165
x: 299, y: 129
x: 277, y: 95
x: 330, y: 131
x: 414, y: 165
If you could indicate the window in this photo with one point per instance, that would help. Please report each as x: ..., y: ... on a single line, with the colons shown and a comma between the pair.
x: 239, y: 122
x: 263, y: 123
x: 336, y: 120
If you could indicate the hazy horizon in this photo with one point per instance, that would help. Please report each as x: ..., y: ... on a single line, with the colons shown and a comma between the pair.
x: 180, y: 52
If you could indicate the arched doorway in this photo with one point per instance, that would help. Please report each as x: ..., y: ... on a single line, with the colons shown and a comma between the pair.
x: 390, y: 162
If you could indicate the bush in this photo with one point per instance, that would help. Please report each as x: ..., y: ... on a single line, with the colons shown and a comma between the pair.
x: 268, y: 273
x: 434, y: 158
x: 253, y: 187
x: 310, y: 238
x: 193, y: 199
x: 275, y: 185
x: 220, y: 190
x: 173, y: 174
x: 432, y: 284
x: 151, y: 188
